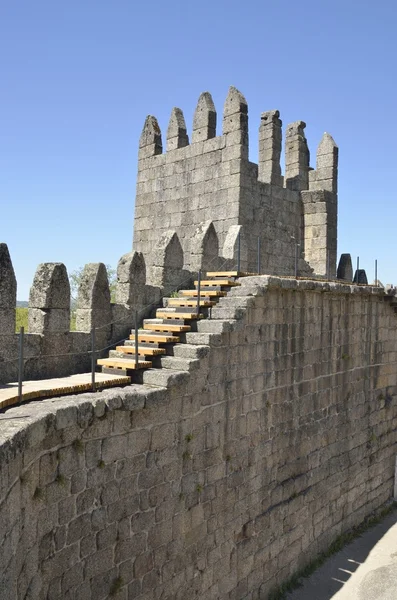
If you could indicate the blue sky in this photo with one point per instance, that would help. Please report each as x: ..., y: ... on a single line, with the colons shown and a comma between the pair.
x: 78, y: 79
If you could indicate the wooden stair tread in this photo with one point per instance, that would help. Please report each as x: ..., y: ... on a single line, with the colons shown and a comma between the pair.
x: 229, y: 274
x: 162, y: 314
x: 123, y: 363
x: 222, y: 282
x: 156, y: 338
x: 215, y: 293
x: 189, y: 302
x: 142, y: 350
x: 165, y: 327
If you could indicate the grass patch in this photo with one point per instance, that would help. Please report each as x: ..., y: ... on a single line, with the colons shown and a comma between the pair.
x: 341, y: 541
x: 78, y: 446
x: 116, y: 586
x: 60, y: 480
x: 21, y: 319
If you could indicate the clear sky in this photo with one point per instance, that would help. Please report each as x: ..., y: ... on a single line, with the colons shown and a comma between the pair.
x: 79, y: 77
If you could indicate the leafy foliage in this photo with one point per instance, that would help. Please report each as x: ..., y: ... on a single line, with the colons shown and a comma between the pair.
x: 21, y: 319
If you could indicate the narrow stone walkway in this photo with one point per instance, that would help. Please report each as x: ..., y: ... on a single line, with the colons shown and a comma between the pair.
x: 366, y: 569
x: 46, y: 388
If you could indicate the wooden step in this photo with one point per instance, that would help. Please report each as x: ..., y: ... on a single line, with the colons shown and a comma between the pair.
x: 229, y: 274
x: 156, y: 338
x: 210, y: 293
x: 189, y: 302
x: 221, y: 282
x: 142, y: 350
x: 122, y: 363
x: 162, y: 314
x: 165, y: 327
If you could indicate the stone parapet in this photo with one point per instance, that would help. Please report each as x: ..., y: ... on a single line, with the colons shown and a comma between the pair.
x: 197, y: 464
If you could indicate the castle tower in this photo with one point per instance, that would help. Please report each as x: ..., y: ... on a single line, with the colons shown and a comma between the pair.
x: 211, y: 181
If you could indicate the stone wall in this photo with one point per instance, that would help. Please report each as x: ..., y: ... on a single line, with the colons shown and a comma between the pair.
x: 217, y: 483
x: 50, y: 348
x: 212, y: 180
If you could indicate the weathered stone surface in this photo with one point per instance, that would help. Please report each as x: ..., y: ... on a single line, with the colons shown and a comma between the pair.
x: 50, y: 287
x: 54, y: 320
x: 166, y: 271
x: 196, y: 480
x: 8, y: 283
x: 204, y: 120
x: 235, y: 244
x: 150, y: 139
x: 93, y: 292
x: 176, y: 133
x: 325, y: 177
x: 270, y: 139
x: 131, y: 279
x: 297, y: 157
x: 205, y: 248
x: 212, y: 180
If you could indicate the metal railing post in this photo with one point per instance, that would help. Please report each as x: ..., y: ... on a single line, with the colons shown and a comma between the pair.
x: 198, y: 292
x: 93, y: 359
x: 259, y: 255
x: 136, y: 340
x: 376, y: 272
x: 20, y: 363
x: 238, y: 251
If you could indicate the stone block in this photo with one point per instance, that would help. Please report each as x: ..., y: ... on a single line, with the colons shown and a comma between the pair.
x: 7, y: 323
x: 52, y: 320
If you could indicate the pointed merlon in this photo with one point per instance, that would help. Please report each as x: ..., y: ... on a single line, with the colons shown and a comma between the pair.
x: 235, y: 122
x: 327, y: 145
x: 150, y: 142
x: 270, y: 138
x: 8, y: 293
x: 8, y: 284
x: 326, y: 175
x: 49, y: 300
x: 297, y: 157
x: 234, y: 103
x: 204, y: 120
x: 93, y: 300
x: 176, y: 133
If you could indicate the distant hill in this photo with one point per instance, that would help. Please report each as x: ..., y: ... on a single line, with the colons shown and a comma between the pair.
x: 22, y: 303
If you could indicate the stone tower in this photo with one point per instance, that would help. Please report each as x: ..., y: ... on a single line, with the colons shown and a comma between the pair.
x: 210, y: 183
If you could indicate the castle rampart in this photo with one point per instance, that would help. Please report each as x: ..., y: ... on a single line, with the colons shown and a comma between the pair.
x: 217, y: 483
x: 267, y: 432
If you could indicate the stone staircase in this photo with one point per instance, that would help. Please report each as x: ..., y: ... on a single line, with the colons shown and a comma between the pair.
x: 171, y: 341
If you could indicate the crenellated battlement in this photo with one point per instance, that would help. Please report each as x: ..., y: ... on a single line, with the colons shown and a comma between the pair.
x: 200, y: 202
x: 211, y: 178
